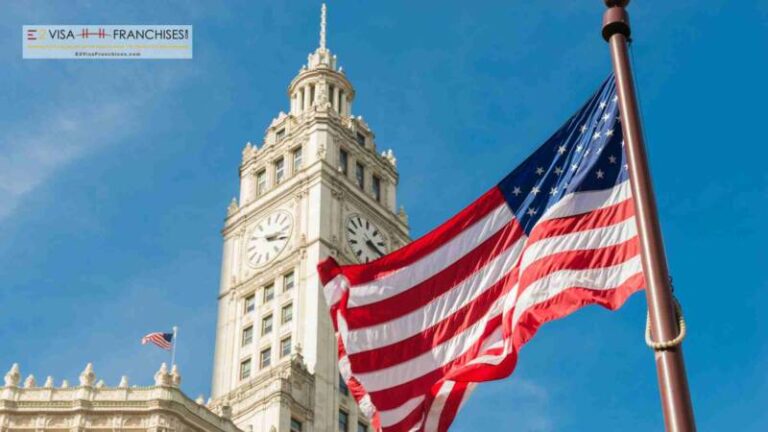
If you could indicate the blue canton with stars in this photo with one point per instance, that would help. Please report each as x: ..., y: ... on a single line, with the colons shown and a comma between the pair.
x: 584, y: 154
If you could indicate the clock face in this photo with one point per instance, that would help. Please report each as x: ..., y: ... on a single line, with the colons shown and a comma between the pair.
x: 268, y: 238
x: 365, y: 239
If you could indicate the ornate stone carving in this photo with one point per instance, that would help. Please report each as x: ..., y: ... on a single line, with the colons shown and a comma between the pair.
x: 175, y: 376
x: 87, y: 377
x: 233, y: 207
x: 162, y: 377
x: 13, y: 376
x: 30, y: 381
x: 48, y: 382
x: 123, y: 382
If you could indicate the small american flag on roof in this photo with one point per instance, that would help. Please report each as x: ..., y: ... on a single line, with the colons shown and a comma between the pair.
x: 163, y: 340
x: 418, y: 328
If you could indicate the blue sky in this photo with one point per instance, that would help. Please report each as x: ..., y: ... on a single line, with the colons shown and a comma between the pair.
x: 115, y: 176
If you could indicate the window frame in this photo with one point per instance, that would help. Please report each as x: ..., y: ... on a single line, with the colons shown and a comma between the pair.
x: 249, y: 303
x: 283, y: 342
x: 345, y: 415
x: 376, y: 187
x: 280, y: 135
x: 295, y: 421
x: 268, y: 351
x: 288, y: 307
x: 361, y: 139
x: 261, y: 182
x: 297, y: 165
x: 268, y: 288
x: 267, y: 324
x: 245, y: 373
x: 279, y: 165
x: 292, y: 275
x: 344, y: 161
x: 247, y: 331
x: 360, y: 175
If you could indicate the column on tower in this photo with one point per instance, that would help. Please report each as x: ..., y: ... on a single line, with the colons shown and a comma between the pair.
x: 335, y: 99
x: 305, y: 91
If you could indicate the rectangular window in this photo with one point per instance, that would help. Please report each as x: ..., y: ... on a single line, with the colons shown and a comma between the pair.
x: 279, y: 135
x: 250, y: 304
x: 343, y: 161
x: 269, y: 293
x: 288, y: 281
x: 311, y: 94
x: 266, y: 325
x: 295, y: 425
x: 360, y: 175
x: 360, y: 139
x: 297, y: 160
x: 247, y: 335
x: 261, y: 182
x: 376, y: 187
x: 279, y: 170
x: 287, y: 314
x: 362, y: 427
x: 343, y: 389
x: 285, y: 347
x: 245, y: 369
x: 343, y: 421
x: 265, y: 358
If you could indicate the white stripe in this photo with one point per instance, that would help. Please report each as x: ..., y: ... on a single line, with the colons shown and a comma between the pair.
x: 421, y: 365
x: 581, y: 240
x: 393, y: 416
x: 437, y: 310
x: 431, y: 264
x: 603, y: 279
x: 583, y: 202
x: 333, y: 290
x: 436, y: 410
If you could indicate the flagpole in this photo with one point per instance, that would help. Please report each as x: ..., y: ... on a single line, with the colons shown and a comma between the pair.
x: 670, y: 367
x: 173, y: 347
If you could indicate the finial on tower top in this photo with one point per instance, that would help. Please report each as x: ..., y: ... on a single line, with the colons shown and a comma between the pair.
x: 322, y: 27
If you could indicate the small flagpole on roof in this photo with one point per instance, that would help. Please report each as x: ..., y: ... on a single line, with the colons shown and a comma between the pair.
x: 173, y: 345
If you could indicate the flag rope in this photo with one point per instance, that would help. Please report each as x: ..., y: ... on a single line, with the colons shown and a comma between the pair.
x: 665, y: 345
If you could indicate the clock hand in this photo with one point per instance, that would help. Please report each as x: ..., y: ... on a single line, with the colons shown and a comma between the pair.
x: 278, y: 236
x: 371, y: 245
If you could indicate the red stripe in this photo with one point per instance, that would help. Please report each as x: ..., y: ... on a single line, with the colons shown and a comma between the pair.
x: 455, y: 324
x: 412, y: 252
x: 427, y: 291
x: 451, y: 406
x: 584, y: 221
x: 395, y: 396
x: 584, y: 259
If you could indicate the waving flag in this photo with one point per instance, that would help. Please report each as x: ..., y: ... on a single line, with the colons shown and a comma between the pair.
x: 418, y: 327
x: 163, y: 340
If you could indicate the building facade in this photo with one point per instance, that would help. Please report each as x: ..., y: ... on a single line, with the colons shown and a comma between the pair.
x: 94, y: 407
x: 316, y: 186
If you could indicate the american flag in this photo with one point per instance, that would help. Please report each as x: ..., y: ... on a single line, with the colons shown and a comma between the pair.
x: 163, y: 340
x: 418, y: 328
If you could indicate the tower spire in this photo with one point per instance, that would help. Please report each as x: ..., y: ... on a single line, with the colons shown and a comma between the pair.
x: 322, y: 26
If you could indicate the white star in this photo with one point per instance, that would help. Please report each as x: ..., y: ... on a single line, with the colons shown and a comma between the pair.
x: 579, y: 147
x: 531, y: 211
x: 553, y: 191
x: 596, y: 135
x: 612, y: 159
x: 600, y: 174
x: 516, y: 191
x: 561, y: 149
x: 583, y: 128
x: 539, y: 170
x: 558, y: 170
x: 615, y: 98
x: 574, y: 167
x: 602, y: 105
x: 535, y: 190
x: 605, y: 117
x: 609, y: 132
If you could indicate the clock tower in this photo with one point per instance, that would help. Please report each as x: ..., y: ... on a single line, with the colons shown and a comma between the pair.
x: 316, y: 186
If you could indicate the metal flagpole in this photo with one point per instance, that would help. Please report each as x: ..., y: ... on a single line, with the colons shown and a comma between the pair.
x: 173, y: 347
x: 670, y: 368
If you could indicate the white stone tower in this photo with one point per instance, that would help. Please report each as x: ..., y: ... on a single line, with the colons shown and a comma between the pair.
x: 315, y: 187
